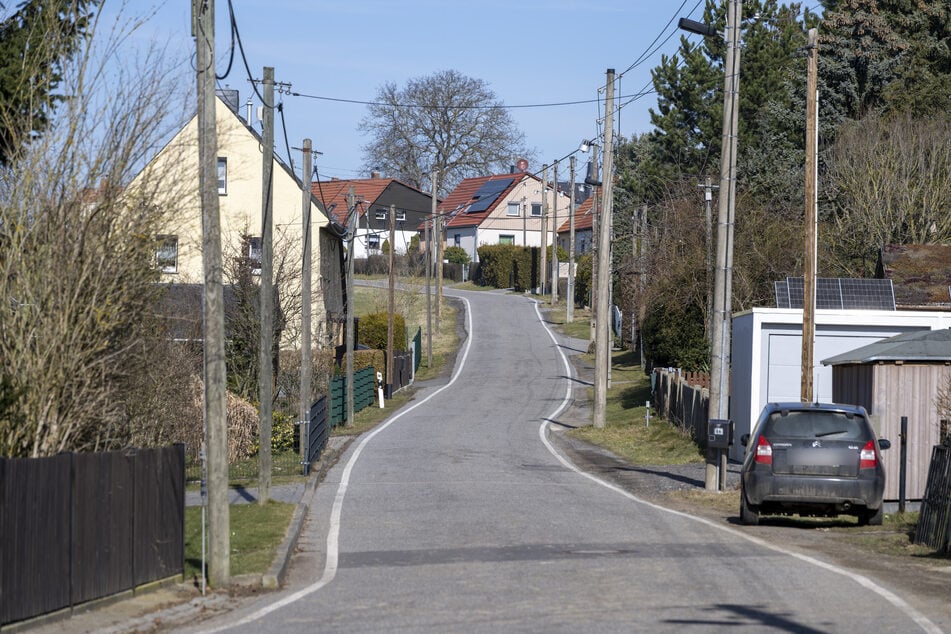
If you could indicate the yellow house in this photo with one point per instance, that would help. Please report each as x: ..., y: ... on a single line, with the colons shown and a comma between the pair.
x: 179, y: 247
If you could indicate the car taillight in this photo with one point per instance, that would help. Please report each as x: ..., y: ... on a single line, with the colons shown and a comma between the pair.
x: 868, y: 458
x: 764, y: 451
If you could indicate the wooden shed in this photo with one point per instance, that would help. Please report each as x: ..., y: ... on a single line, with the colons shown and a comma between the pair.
x: 895, y: 377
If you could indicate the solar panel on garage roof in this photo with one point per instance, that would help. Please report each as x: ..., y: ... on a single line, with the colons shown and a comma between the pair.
x: 838, y: 293
x: 488, y: 194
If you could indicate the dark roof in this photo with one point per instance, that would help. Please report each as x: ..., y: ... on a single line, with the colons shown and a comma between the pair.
x: 923, y: 346
x: 921, y: 274
x: 333, y: 193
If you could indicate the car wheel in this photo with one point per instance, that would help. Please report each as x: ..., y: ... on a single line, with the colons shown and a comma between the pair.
x: 749, y: 515
x: 872, y: 518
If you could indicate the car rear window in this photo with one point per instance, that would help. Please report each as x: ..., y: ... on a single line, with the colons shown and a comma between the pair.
x: 832, y: 425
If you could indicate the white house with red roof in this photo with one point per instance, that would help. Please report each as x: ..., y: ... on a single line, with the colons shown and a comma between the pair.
x: 373, y: 197
x: 584, y: 217
x: 500, y: 209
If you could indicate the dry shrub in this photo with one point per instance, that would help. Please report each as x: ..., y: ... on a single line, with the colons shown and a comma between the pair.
x: 242, y: 425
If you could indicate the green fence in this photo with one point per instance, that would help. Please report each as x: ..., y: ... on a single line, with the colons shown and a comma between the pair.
x: 417, y: 340
x: 364, y: 386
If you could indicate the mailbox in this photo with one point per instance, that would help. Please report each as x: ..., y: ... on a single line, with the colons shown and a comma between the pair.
x: 719, y: 434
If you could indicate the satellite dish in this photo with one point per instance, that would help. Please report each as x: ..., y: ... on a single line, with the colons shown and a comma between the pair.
x: 522, y: 165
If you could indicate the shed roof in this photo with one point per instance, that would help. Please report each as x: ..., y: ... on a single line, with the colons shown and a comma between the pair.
x: 922, y: 346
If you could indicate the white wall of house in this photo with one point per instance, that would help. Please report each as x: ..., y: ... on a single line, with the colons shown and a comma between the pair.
x: 370, y: 241
x: 767, y: 353
x: 464, y: 237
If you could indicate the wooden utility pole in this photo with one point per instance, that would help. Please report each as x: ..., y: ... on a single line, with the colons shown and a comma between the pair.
x: 213, y: 309
x: 602, y: 337
x: 543, y: 268
x: 391, y: 305
x: 570, y: 299
x: 723, y: 281
x: 429, y: 275
x: 352, y: 219
x: 266, y: 338
x: 306, y: 306
x: 554, y: 238
x: 810, y: 255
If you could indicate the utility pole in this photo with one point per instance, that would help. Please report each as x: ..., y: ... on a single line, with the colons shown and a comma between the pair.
x: 213, y: 324
x: 349, y: 338
x: 570, y: 299
x: 595, y: 241
x: 642, y: 309
x: 429, y: 275
x: 602, y: 343
x: 266, y: 338
x: 543, y: 269
x: 439, y: 248
x: 810, y: 255
x: 723, y: 281
x: 390, y: 303
x: 306, y: 306
x: 554, y: 238
x: 708, y: 188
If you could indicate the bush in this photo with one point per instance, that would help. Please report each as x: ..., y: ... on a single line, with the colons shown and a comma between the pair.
x: 456, y: 255
x: 508, y: 266
x: 373, y: 329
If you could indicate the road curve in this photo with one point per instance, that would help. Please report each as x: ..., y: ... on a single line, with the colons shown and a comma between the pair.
x: 457, y: 514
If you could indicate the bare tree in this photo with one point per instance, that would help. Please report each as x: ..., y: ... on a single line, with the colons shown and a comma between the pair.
x: 76, y: 261
x: 890, y: 183
x: 445, y: 122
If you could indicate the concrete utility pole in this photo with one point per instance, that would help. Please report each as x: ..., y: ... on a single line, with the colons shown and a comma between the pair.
x: 642, y: 309
x: 595, y: 241
x: 602, y: 338
x: 266, y: 338
x: 439, y: 248
x: 810, y: 256
x: 723, y: 281
x: 349, y: 338
x: 391, y: 307
x: 554, y: 238
x: 213, y: 309
x: 306, y: 306
x: 429, y: 275
x: 543, y: 268
x: 570, y: 299
x: 708, y: 188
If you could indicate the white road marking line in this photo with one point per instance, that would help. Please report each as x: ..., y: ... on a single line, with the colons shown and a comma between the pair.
x: 923, y: 621
x: 333, y: 536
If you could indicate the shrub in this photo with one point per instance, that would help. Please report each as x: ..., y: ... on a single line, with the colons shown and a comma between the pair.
x: 373, y: 331
x: 456, y: 255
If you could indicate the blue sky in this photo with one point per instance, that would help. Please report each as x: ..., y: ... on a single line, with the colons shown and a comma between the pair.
x: 530, y: 52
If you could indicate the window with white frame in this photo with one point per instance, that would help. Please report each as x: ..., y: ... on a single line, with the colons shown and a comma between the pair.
x: 513, y: 209
x: 222, y: 175
x: 400, y: 216
x: 166, y: 254
x: 373, y: 241
x: 537, y: 209
x: 253, y: 253
x: 380, y: 214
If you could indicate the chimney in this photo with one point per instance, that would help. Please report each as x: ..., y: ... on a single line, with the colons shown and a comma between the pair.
x: 374, y: 174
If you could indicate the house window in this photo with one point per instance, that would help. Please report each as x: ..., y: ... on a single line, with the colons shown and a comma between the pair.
x: 373, y: 241
x: 506, y: 239
x: 512, y: 209
x: 253, y: 253
x: 457, y: 240
x: 537, y: 209
x: 401, y: 216
x: 222, y: 175
x: 380, y: 214
x: 166, y: 254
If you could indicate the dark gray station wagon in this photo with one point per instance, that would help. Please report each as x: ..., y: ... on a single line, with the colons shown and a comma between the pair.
x: 813, y: 459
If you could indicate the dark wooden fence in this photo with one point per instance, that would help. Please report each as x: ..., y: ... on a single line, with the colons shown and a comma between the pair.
x: 78, y: 527
x: 934, y: 520
x: 677, y: 400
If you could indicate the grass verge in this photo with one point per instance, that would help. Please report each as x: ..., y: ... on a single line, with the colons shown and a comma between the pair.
x: 627, y: 432
x: 256, y: 532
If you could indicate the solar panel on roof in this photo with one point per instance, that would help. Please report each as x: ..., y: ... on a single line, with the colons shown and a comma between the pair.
x: 488, y: 194
x: 836, y: 293
x: 782, y: 294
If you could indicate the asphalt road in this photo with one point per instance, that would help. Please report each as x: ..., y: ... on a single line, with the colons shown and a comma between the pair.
x: 459, y: 515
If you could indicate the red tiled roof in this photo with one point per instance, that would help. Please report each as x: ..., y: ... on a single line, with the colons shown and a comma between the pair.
x: 455, y: 204
x: 583, y: 217
x: 334, y: 192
